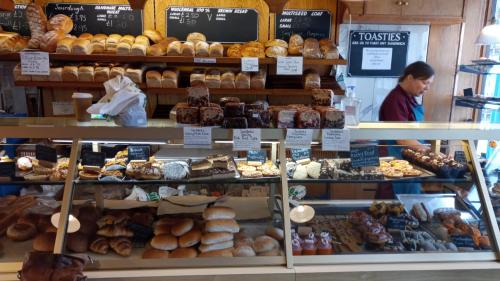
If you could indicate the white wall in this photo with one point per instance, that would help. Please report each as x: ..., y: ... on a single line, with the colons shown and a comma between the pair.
x: 372, y: 91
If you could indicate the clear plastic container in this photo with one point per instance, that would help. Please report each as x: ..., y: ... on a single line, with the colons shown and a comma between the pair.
x: 350, y: 104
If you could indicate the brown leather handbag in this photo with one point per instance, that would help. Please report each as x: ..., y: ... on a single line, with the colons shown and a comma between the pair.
x: 47, y: 266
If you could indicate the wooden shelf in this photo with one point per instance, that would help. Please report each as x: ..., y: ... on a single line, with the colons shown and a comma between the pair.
x: 164, y: 59
x: 169, y: 91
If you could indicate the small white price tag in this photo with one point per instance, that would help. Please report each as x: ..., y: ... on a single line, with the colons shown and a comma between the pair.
x: 250, y: 64
x: 62, y: 108
x: 35, y: 63
x: 336, y: 140
x: 290, y: 66
x: 205, y: 60
x: 195, y: 137
x: 298, y: 138
x: 246, y: 139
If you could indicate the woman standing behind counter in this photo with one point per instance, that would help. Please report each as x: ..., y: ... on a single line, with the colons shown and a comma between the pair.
x: 401, y: 106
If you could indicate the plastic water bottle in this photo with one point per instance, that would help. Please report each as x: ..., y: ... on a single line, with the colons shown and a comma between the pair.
x: 350, y: 105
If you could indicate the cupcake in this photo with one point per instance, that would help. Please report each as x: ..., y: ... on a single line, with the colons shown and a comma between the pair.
x: 324, y: 247
x: 309, y: 247
x: 296, y: 248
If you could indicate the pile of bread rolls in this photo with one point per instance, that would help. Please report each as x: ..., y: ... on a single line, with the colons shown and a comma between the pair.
x: 11, y: 42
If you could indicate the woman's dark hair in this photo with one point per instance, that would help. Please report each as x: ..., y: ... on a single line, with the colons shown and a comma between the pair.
x: 419, y: 70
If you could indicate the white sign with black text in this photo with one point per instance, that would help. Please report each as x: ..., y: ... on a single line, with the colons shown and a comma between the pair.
x: 336, y: 140
x: 289, y: 65
x: 250, y: 64
x: 35, y: 63
x: 195, y: 137
x: 246, y: 139
x: 298, y: 138
x: 376, y: 59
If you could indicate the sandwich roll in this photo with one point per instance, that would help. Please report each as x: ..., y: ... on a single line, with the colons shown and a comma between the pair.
x: 218, y: 213
x: 227, y: 225
x: 152, y: 253
x: 184, y: 253
x: 228, y: 253
x: 214, y: 247
x: 190, y: 239
x: 216, y: 237
x: 164, y: 242
x: 182, y: 227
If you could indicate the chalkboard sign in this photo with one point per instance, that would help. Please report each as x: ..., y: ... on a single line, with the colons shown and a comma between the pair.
x: 299, y: 154
x: 15, y: 21
x: 257, y: 155
x: 396, y: 222
x: 46, y: 153
x: 307, y: 23
x: 7, y: 169
x: 377, y: 53
x: 463, y: 241
x: 138, y: 152
x: 460, y: 157
x: 96, y: 18
x: 364, y: 156
x: 225, y: 25
x: 90, y: 158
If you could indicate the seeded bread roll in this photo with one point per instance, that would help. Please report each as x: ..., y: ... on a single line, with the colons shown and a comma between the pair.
x: 164, y: 242
x: 218, y: 213
x: 227, y: 225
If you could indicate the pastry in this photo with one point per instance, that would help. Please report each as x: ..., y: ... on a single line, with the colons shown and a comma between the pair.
x: 211, y: 116
x: 60, y: 22
x: 115, y: 231
x: 187, y: 114
x: 21, y: 231
x: 164, y: 242
x: 198, y: 96
x: 154, y: 254
x: 185, y: 253
x: 421, y: 212
x: 308, y: 119
x: 121, y: 246
x: 24, y: 164
x: 100, y: 246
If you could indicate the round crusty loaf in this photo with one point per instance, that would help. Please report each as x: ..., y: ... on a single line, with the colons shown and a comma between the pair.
x: 195, y: 37
x: 162, y: 229
x: 244, y: 242
x: 264, y: 243
x: 164, y: 242
x: 60, y: 22
x: 275, y: 232
x: 182, y: 227
x: 218, y: 253
x: 214, y: 247
x: 180, y: 253
x: 44, y: 242
x: 154, y: 254
x: 244, y: 251
x: 77, y: 242
x: 218, y: 213
x: 153, y: 35
x: 21, y: 231
x: 222, y: 226
x: 216, y: 237
x: 190, y: 239
x: 272, y: 253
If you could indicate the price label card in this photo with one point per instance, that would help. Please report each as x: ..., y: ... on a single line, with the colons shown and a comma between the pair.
x: 250, y: 64
x: 396, y: 222
x: 197, y: 137
x: 205, y: 60
x: 257, y: 156
x: 298, y: 138
x: 364, y: 156
x: 463, y: 241
x: 7, y: 169
x: 90, y: 158
x: 246, y: 139
x: 460, y: 157
x: 301, y: 154
x: 46, y: 153
x: 35, y: 63
x: 290, y: 66
x: 336, y: 140
x: 138, y: 152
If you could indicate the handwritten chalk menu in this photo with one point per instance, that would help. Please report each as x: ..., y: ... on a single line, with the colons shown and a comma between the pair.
x: 7, y: 169
x: 15, y: 21
x: 138, y: 152
x: 226, y: 25
x: 257, y: 155
x: 377, y: 53
x: 93, y: 158
x: 308, y: 23
x: 46, y: 153
x: 95, y: 18
x: 301, y: 154
x: 364, y: 156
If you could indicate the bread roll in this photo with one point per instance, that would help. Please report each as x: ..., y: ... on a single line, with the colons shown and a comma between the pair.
x: 56, y: 74
x: 242, y: 81
x: 154, y: 254
x: 128, y: 39
x: 160, y: 229
x: 184, y: 253
x: 243, y: 242
x: 227, y: 225
x: 21, y: 231
x: 195, y: 37
x: 201, y: 49
x: 212, y: 79
x: 296, y: 40
x: 156, y: 50
x: 170, y: 78
x: 153, y: 35
x: 81, y: 47
x: 116, y: 71
x: 218, y: 253
x: 190, y: 239
x: 86, y: 73
x: 214, y: 247
x: 164, y: 242
x: 264, y: 243
x: 183, y: 227
x: 70, y: 73
x: 50, y: 40
x: 101, y: 74
x: 216, y: 237
x: 244, y: 251
x: 218, y: 213
x: 276, y: 43
x: 77, y: 242
x: 138, y: 49
x: 123, y: 49
x: 276, y: 233
x: 86, y: 36
x: 135, y: 74
x: 234, y: 51
x: 272, y: 253
x: 174, y: 48
x: 44, y: 242
x: 37, y: 21
x: 253, y: 52
x: 18, y: 76
x: 153, y: 79
x: 227, y: 80
x: 187, y: 49
x: 60, y: 22
x: 276, y: 51
x: 141, y: 39
x: 98, y: 47
x: 216, y: 50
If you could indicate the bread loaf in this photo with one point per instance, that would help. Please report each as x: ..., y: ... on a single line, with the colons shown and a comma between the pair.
x: 37, y: 21
x: 312, y: 80
x: 308, y: 119
x: 234, y: 51
x: 211, y: 116
x: 141, y: 39
x: 216, y: 50
x: 64, y: 45
x: 198, y: 96
x: 101, y: 74
x: 70, y: 73
x: 127, y: 39
x: 329, y: 49
x: 218, y: 213
x: 164, y: 242
x: 98, y: 47
x: 174, y: 48
x: 86, y: 73
x: 112, y: 42
x: 212, y: 79
x: 187, y: 49
x: 56, y: 74
x: 202, y: 49
x: 50, y: 40
x: 153, y: 35
x: 156, y: 50
x: 242, y: 81
x: 258, y: 80
x: 86, y: 36
x: 225, y: 225
x: 170, y: 78
x: 311, y: 49
x: 165, y: 42
x: 227, y: 80
x: 123, y: 49
x: 216, y: 237
x: 197, y: 77
x: 321, y: 97
x: 295, y: 45
x: 276, y: 51
x: 60, y: 22
x: 81, y: 47
x: 276, y: 43
x: 138, y: 49
x: 135, y: 74
x: 195, y: 37
x: 153, y: 79
x: 187, y: 115
x: 116, y: 71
